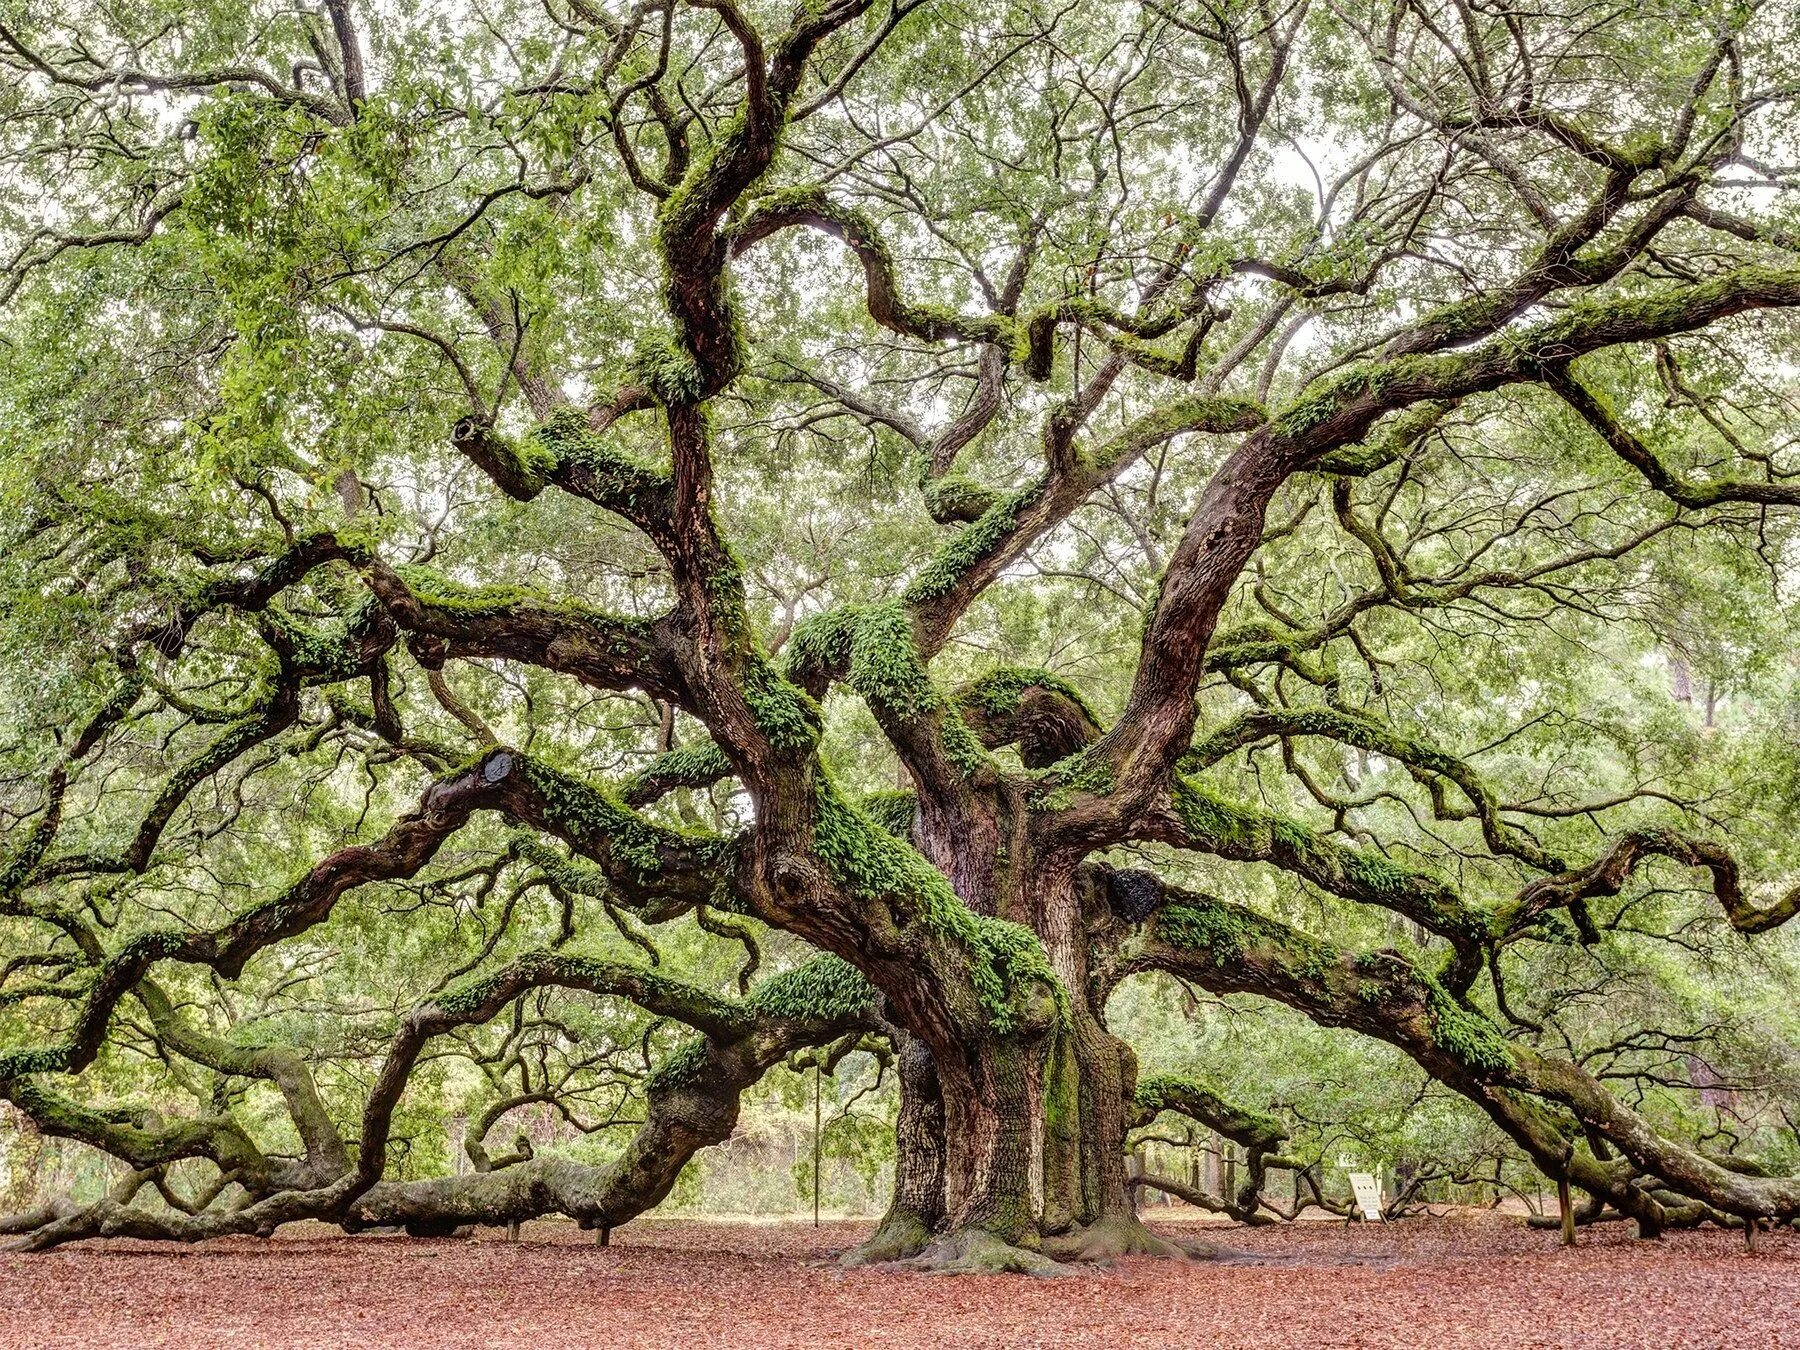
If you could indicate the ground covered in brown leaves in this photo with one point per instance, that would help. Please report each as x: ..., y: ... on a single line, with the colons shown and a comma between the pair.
x: 1470, y: 1280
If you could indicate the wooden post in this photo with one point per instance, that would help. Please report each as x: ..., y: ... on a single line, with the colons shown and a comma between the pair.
x: 818, y: 1088
x: 512, y: 1230
x: 603, y: 1238
x: 1568, y: 1211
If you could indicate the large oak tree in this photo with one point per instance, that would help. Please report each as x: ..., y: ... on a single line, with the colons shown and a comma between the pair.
x: 1011, y: 497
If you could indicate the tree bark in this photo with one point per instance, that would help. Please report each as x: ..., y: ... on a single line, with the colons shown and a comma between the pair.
x: 916, y: 1212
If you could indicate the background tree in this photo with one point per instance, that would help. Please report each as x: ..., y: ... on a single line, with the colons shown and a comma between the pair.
x: 507, y: 504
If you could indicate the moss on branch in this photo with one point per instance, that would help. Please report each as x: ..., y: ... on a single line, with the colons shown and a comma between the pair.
x: 1005, y: 962
x: 1215, y: 824
x: 973, y: 545
x: 601, y: 825
x: 599, y: 470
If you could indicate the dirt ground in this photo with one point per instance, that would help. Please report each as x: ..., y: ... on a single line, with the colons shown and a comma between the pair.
x: 1461, y: 1280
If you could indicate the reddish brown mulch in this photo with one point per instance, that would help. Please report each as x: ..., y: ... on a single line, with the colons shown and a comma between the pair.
x: 1470, y: 1281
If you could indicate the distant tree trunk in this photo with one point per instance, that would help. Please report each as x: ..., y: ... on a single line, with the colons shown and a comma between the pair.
x: 1681, y: 678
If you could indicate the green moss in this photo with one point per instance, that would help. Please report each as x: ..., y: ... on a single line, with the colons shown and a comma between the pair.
x: 972, y: 544
x: 884, y: 663
x: 1292, y: 836
x: 1058, y: 786
x: 1219, y: 824
x: 565, y: 873
x: 783, y: 711
x: 1199, y: 1100
x: 597, y: 820
x: 1062, y: 1090
x: 1318, y: 960
x: 612, y: 478
x: 437, y: 591
x: 1000, y: 692
x: 724, y: 582
x: 1252, y: 644
x: 530, y: 462
x: 1009, y: 957
x: 1004, y: 958
x: 684, y: 225
x: 1214, y: 818
x: 1154, y: 1091
x: 20, y: 1063
x: 1377, y: 873
x: 821, y: 642
x: 824, y: 989
x: 1466, y: 1034
x: 685, y: 211
x: 1305, y: 414
x: 683, y: 1067
x: 892, y: 811
x: 1219, y: 930
x: 872, y: 647
x: 670, y: 373
x: 1215, y: 414
x: 956, y: 497
x: 965, y: 751
x: 702, y: 759
x: 330, y: 654
x: 693, y: 765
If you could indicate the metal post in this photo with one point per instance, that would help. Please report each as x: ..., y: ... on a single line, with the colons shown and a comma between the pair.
x: 818, y: 1088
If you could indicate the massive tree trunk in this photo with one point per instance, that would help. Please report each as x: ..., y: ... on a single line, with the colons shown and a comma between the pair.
x: 916, y: 1211
x: 1019, y: 1142
x: 992, y: 1113
x: 1088, y: 1211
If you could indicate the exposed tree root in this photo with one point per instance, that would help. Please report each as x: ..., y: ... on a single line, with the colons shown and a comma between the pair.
x: 975, y: 1251
x: 900, y: 1237
x: 1111, y: 1238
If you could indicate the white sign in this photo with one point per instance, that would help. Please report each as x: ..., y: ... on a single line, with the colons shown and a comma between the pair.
x: 1368, y: 1194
